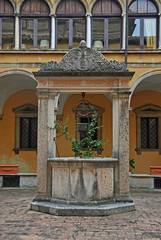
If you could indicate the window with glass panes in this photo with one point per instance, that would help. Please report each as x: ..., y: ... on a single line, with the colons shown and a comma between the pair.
x: 149, y: 133
x: 25, y: 128
x: 143, y: 23
x: 70, y: 22
x: 35, y: 25
x: 148, y: 128
x: 28, y: 132
x: 106, y: 25
x: 6, y: 25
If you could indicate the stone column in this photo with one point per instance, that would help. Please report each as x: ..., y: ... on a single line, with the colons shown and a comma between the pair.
x: 123, y: 30
x: 115, y: 110
x: 88, y: 16
x: 121, y: 144
x: 46, y: 116
x: 53, y: 31
x: 159, y: 31
x: 17, y: 30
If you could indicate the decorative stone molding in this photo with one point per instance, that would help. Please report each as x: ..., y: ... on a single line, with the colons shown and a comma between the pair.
x: 28, y: 111
x: 83, y: 59
x: 147, y: 111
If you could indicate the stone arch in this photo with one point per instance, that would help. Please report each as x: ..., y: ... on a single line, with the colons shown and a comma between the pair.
x: 63, y: 98
x: 142, y: 78
x: 19, y: 4
x: 13, y: 4
x: 12, y: 81
x: 157, y: 4
x: 121, y: 2
x: 84, y: 2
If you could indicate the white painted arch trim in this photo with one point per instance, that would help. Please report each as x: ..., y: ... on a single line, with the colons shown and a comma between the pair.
x: 142, y: 78
x: 5, y: 94
x: 20, y: 2
x: 121, y: 2
x: 56, y: 3
x: 18, y: 72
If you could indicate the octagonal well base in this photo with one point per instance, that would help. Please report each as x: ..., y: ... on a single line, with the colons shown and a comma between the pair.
x: 87, y: 210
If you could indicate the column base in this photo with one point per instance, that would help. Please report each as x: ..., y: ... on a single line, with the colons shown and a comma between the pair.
x: 123, y: 199
x: 41, y: 198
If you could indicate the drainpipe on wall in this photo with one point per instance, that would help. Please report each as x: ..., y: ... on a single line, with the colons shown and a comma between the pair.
x: 126, y: 34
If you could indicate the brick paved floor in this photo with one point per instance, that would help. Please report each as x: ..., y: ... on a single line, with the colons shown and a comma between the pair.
x: 18, y: 222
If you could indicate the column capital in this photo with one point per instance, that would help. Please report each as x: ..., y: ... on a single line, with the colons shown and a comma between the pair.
x: 17, y: 15
x: 120, y: 94
x: 53, y: 94
x: 42, y: 94
x: 88, y: 15
x: 53, y: 15
x: 45, y: 94
x: 124, y: 94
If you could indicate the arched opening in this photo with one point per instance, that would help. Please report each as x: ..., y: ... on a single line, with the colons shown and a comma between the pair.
x: 107, y: 25
x: 6, y: 25
x: 35, y: 25
x: 143, y: 25
x: 71, y: 25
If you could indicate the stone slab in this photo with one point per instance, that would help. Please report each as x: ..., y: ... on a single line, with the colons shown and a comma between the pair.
x: 28, y: 181
x: 88, y: 210
x: 141, y: 182
x: 81, y: 182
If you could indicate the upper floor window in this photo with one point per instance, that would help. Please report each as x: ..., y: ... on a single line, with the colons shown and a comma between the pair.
x: 143, y: 23
x: 35, y: 25
x: 106, y: 27
x: 70, y: 24
x: 6, y: 25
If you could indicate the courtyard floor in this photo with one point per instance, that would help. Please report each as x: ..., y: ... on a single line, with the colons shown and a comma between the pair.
x: 18, y: 222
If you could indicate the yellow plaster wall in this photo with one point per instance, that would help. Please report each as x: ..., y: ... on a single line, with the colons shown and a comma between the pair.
x: 149, y: 158
x: 9, y: 60
x: 101, y: 101
x: 26, y: 160
x: 30, y: 57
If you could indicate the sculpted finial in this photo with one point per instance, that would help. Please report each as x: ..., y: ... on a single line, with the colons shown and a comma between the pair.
x: 83, y: 44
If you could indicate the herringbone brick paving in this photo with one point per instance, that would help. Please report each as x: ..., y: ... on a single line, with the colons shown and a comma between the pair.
x: 18, y: 222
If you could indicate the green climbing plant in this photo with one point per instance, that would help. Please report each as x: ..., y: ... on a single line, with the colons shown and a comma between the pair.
x: 83, y: 148
x: 131, y: 164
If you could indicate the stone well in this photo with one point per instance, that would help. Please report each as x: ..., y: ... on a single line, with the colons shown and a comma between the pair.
x: 71, y: 186
x: 82, y: 187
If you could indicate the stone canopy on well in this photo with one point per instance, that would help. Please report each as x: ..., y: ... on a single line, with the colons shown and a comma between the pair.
x: 83, y: 59
x: 83, y: 70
